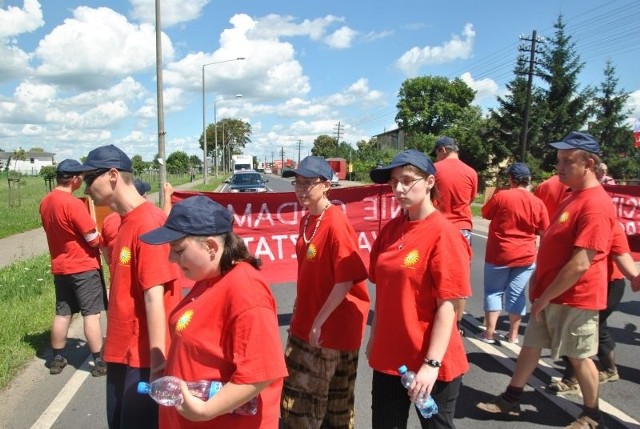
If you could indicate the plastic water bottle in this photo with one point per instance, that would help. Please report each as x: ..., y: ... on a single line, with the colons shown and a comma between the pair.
x: 425, y: 404
x: 166, y: 391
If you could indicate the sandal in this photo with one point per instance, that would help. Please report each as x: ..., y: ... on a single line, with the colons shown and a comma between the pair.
x: 563, y: 387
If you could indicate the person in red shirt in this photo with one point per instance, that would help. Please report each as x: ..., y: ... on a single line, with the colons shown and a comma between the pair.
x: 457, y: 185
x: 330, y: 313
x: 225, y: 328
x: 601, y: 174
x: 552, y: 192
x: 420, y: 266
x: 75, y: 263
x: 142, y: 293
x: 517, y: 218
x: 111, y: 223
x: 568, y: 288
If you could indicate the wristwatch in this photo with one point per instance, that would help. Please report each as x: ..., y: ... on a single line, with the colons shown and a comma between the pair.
x: 432, y: 363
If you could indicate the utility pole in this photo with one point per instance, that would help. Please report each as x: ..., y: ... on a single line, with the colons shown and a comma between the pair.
x: 282, y: 157
x: 531, y: 48
x: 338, y: 131
x: 299, y: 147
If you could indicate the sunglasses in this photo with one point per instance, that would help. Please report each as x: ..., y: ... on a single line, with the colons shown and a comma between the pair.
x: 90, y: 178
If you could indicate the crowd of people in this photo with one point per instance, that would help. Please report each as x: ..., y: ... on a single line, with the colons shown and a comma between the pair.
x: 557, y: 250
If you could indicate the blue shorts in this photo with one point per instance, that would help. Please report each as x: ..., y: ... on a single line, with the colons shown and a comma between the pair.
x: 505, y: 288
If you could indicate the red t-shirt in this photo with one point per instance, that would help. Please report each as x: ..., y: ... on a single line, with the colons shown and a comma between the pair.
x: 585, y: 219
x: 136, y: 267
x: 226, y: 329
x: 412, y: 264
x: 552, y: 191
x: 331, y: 257
x: 66, y: 220
x: 516, y: 218
x: 457, y: 184
x: 110, y: 227
x: 619, y: 246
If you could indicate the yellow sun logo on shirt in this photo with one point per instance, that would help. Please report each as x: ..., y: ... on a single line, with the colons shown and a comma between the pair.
x: 184, y: 321
x: 411, y: 259
x: 312, y: 252
x: 564, y: 217
x: 125, y: 255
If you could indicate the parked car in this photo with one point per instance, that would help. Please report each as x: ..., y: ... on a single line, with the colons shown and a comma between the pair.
x: 267, y: 170
x: 335, y: 181
x: 246, y: 181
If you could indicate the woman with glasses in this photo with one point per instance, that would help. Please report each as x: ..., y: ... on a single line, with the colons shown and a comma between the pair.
x: 330, y: 312
x: 420, y: 266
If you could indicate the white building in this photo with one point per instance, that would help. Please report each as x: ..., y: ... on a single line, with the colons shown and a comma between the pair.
x: 32, y: 163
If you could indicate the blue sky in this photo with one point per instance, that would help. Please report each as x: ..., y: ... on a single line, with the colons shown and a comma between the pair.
x: 79, y: 74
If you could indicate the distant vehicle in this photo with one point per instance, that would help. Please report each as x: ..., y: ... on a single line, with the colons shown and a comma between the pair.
x: 268, y: 170
x: 335, y: 180
x: 246, y: 181
x: 241, y: 162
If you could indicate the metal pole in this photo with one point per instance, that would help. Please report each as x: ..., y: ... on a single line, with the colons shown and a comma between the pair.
x: 161, y: 132
x: 215, y: 137
x: 527, y: 105
x: 204, y: 133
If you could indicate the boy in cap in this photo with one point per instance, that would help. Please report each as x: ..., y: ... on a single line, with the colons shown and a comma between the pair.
x: 569, y: 286
x: 74, y: 244
x: 517, y: 217
x: 144, y: 289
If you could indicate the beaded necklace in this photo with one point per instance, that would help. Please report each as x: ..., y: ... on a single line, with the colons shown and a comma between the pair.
x: 306, y: 223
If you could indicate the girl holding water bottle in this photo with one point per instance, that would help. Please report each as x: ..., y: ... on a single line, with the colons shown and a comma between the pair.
x: 420, y: 266
x: 226, y: 327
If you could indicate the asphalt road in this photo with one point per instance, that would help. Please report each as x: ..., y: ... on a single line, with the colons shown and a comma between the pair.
x: 74, y: 399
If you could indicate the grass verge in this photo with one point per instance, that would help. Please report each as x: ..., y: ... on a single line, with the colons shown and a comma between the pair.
x: 27, y: 307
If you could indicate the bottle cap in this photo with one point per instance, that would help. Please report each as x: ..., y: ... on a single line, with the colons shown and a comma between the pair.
x: 402, y: 369
x: 144, y: 387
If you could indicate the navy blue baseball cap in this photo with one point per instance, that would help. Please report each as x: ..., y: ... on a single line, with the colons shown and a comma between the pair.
x: 443, y: 142
x: 406, y: 157
x: 198, y: 215
x: 311, y: 166
x: 578, y: 140
x: 141, y: 187
x: 105, y: 157
x: 68, y: 166
x: 518, y: 170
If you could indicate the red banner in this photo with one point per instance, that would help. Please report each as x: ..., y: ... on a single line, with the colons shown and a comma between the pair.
x: 269, y: 222
x: 626, y: 200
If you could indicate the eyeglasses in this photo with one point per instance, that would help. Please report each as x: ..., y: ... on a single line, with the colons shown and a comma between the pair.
x: 405, y: 181
x: 304, y: 185
x: 90, y: 178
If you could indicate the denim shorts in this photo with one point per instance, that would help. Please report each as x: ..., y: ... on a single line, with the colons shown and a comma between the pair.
x: 505, y: 288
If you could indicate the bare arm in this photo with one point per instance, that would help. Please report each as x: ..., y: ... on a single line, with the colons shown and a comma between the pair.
x: 339, y: 291
x: 167, y: 191
x: 157, y: 326
x: 445, y: 318
x: 627, y: 265
x: 567, y: 277
x: 230, y: 397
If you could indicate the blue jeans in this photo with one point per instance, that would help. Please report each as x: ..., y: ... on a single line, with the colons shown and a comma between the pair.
x: 505, y: 288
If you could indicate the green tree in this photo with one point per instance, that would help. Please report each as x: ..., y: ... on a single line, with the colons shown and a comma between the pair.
x: 195, y: 161
x: 325, y: 146
x: 616, y: 139
x: 178, y: 162
x: 234, y: 133
x: 429, y: 105
x: 36, y: 149
x: 566, y: 107
x: 507, y: 119
x: 139, y: 166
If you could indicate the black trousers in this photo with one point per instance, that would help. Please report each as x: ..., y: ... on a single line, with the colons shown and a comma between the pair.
x: 615, y: 291
x: 390, y: 403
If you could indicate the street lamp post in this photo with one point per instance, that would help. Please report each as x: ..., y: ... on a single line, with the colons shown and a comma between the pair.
x: 204, y: 119
x: 215, y: 127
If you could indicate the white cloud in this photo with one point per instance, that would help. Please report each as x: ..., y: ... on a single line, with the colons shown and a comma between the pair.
x: 456, y: 48
x: 276, y: 26
x: 95, y: 46
x: 358, y: 92
x: 172, y: 11
x: 633, y: 104
x: 341, y: 38
x: 373, y: 36
x: 486, y: 89
x: 15, y: 21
